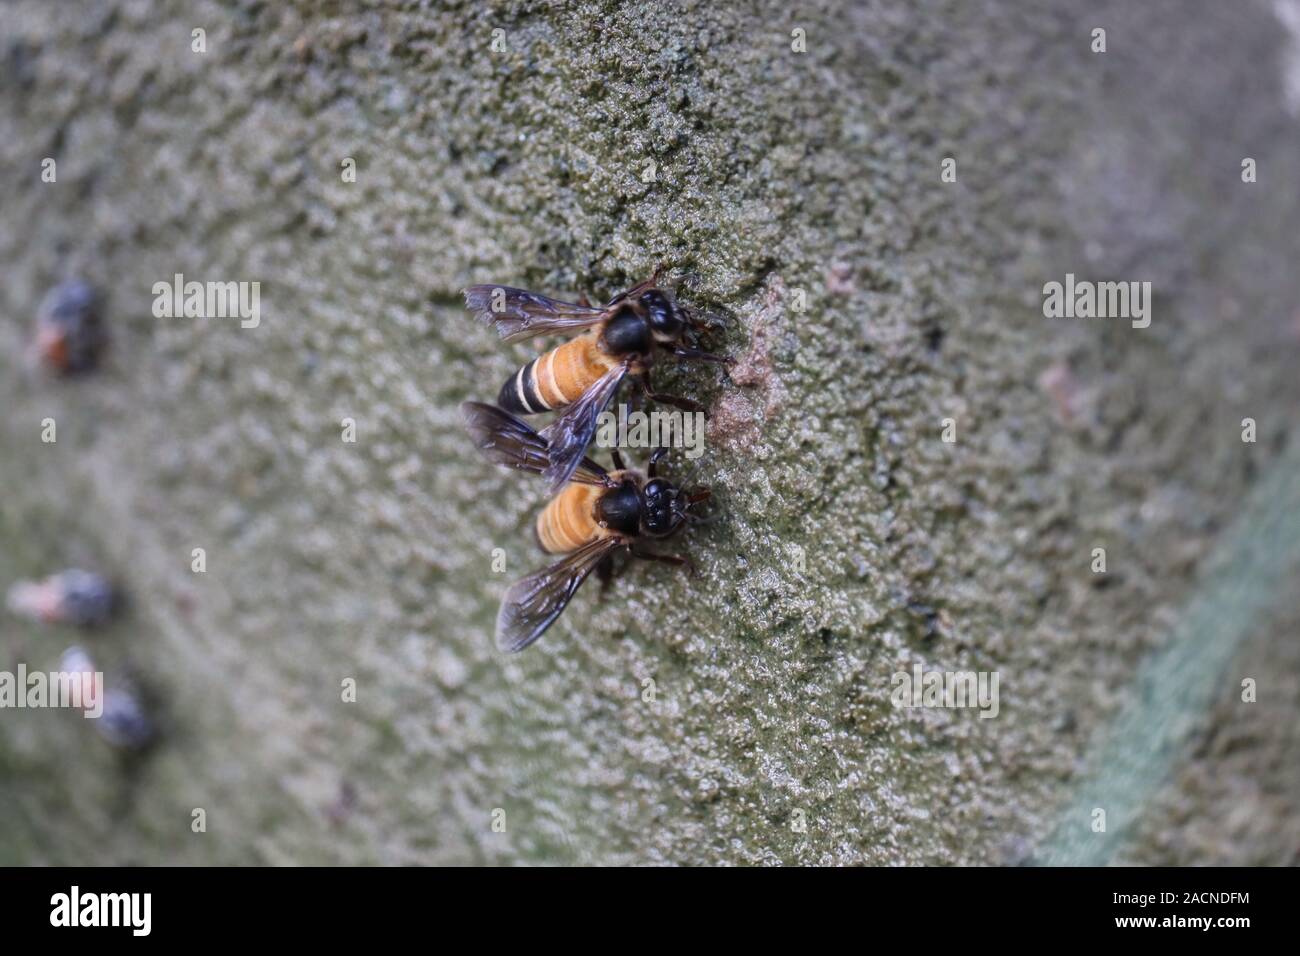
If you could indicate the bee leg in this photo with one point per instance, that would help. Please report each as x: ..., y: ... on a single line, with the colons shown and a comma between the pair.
x: 700, y: 355
x: 673, y: 559
x: 710, y: 322
x: 704, y: 522
x: 605, y: 573
x: 655, y: 457
x: 703, y: 323
x: 685, y: 404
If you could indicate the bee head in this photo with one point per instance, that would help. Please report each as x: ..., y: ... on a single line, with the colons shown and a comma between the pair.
x: 660, y: 514
x: 666, y: 324
x: 665, y: 507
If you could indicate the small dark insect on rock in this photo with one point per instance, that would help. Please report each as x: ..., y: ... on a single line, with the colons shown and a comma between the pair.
x: 70, y: 332
x: 339, y: 809
x: 80, y: 598
x: 122, y: 722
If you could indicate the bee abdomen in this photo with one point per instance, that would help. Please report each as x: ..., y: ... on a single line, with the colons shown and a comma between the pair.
x: 519, y: 393
x: 569, y: 519
x: 556, y: 379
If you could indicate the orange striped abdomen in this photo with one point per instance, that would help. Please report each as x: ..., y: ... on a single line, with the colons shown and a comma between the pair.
x: 569, y: 519
x: 557, y: 378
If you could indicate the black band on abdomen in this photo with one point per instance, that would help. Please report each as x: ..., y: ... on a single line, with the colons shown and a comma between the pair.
x: 519, y: 393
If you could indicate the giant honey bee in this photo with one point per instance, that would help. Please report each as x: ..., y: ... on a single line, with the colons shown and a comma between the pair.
x: 593, y: 516
x: 70, y: 332
x: 74, y: 596
x: 622, y: 339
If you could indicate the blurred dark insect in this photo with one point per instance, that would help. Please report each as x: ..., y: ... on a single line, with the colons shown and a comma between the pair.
x: 123, y: 722
x: 76, y: 661
x: 80, y: 598
x: 70, y: 332
x: 339, y: 809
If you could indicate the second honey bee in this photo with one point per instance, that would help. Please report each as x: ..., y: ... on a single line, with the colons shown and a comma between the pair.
x: 620, y: 339
x: 596, y: 514
x: 70, y: 332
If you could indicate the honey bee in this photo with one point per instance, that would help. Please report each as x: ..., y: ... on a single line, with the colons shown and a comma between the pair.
x: 77, y: 597
x: 121, y: 720
x: 70, y: 333
x: 593, y: 516
x: 621, y: 339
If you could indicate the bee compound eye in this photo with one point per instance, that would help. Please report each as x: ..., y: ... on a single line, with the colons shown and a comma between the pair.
x: 655, y: 490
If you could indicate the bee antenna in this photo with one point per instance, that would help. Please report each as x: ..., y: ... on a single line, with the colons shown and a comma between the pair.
x: 690, y: 477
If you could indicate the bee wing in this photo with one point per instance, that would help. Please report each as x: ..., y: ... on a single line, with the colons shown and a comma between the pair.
x: 505, y: 440
x: 533, y: 603
x: 519, y: 314
x: 569, y: 435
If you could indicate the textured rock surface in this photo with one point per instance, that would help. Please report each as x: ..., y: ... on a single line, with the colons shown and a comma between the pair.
x: 855, y: 542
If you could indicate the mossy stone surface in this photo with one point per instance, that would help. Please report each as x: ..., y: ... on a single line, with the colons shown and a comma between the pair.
x: 800, y: 191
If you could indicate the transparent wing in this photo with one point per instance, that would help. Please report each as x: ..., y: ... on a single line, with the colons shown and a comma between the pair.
x: 505, y: 440
x: 518, y: 314
x: 569, y: 435
x: 533, y: 603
